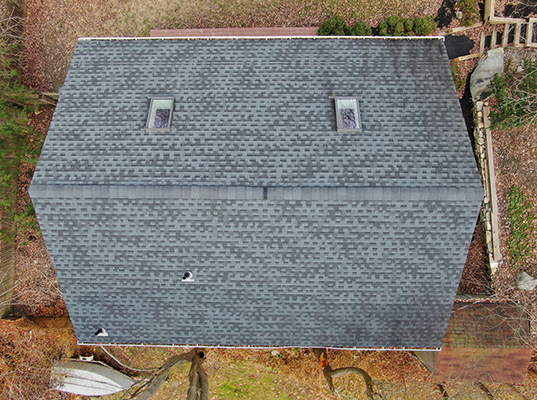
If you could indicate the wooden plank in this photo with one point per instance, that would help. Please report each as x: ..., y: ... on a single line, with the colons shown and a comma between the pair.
x: 465, y: 28
x: 235, y: 32
x: 46, y: 100
x: 468, y: 57
x: 492, y: 183
x: 518, y: 28
x: 52, y: 95
x: 505, y: 34
x: 529, y: 33
x: 489, y: 9
x: 482, y: 43
x: 493, y: 39
x: 495, y: 237
x: 502, y: 20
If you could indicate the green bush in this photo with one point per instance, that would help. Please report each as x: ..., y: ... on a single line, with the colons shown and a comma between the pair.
x: 470, y: 12
x: 336, y: 26
x: 409, y: 25
x: 333, y: 26
x: 515, y: 94
x: 360, y: 29
x: 521, y: 216
x: 399, y: 29
x: 398, y: 26
x: 393, y: 20
x: 424, y: 26
x: 383, y: 29
x: 393, y: 26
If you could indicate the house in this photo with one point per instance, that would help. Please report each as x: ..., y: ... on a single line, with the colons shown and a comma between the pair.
x: 484, y: 342
x: 299, y: 192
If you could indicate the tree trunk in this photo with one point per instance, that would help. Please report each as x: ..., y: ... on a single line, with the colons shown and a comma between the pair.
x: 330, y: 373
x: 158, y: 380
x: 194, y: 391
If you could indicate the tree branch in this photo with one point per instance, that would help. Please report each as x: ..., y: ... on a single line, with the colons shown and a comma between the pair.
x: 485, y: 389
x: 158, y: 380
x: 330, y: 373
x: 194, y: 377
x: 442, y: 390
x: 204, y: 384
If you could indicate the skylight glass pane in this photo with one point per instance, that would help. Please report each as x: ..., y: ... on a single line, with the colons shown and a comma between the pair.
x: 348, y: 115
x: 160, y: 113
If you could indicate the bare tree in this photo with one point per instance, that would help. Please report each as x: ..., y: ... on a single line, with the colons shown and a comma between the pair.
x: 485, y: 390
x: 198, y: 378
x: 330, y: 373
x: 442, y: 390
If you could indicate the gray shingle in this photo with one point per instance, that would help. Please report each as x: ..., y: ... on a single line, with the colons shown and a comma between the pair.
x: 296, y: 235
x: 247, y: 119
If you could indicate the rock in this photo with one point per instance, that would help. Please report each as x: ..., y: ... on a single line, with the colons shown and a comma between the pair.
x: 525, y: 281
x: 275, y: 353
x: 488, y: 66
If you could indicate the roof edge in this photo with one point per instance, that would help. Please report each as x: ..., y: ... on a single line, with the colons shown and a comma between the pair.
x: 260, y: 347
x: 442, y: 38
x: 315, y: 193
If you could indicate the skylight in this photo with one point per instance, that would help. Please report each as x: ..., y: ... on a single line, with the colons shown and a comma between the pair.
x: 160, y: 113
x: 348, y: 114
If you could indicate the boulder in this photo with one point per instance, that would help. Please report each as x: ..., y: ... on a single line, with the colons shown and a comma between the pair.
x: 525, y: 281
x: 488, y: 66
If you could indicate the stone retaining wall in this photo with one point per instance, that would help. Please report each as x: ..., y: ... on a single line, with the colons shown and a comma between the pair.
x: 485, y: 157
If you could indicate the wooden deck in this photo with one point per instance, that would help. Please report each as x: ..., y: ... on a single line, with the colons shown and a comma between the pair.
x: 235, y: 32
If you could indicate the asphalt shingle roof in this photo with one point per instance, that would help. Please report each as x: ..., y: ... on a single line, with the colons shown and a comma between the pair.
x: 297, y: 235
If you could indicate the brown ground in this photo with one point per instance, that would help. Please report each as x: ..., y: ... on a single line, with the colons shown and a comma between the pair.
x: 515, y: 160
x: 475, y: 277
x: 52, y: 29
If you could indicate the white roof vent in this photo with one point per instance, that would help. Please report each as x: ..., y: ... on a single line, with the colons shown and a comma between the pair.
x: 101, y: 332
x: 188, y: 276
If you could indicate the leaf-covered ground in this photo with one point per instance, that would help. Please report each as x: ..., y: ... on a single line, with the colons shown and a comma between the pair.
x: 53, y: 27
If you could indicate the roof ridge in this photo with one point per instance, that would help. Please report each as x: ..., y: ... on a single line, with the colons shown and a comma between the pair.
x: 230, y: 192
